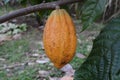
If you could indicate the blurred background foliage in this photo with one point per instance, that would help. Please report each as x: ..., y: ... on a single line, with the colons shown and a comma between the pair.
x: 86, y: 11
x: 73, y: 9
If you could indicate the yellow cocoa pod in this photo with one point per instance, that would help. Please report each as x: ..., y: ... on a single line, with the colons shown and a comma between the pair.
x: 59, y: 38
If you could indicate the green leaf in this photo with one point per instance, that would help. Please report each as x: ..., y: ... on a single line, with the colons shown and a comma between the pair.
x: 33, y: 2
x: 23, y: 2
x: 91, y: 10
x: 103, y: 63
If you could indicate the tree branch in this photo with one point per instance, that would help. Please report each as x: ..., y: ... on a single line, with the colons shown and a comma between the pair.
x: 31, y: 9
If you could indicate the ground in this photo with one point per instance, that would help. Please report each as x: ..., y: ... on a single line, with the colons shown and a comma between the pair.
x: 25, y: 59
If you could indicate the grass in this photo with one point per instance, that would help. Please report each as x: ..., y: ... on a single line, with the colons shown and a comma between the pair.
x: 15, y: 52
x: 27, y: 74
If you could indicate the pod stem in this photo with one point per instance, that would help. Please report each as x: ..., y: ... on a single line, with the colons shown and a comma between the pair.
x: 57, y: 7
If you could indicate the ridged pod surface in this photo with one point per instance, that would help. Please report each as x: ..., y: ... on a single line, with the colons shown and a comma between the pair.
x: 59, y: 38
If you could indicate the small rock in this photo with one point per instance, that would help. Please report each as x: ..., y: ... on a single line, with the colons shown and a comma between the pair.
x: 2, y: 59
x: 51, y: 64
x: 43, y: 73
x: 79, y: 41
x: 41, y: 27
x: 42, y: 61
x: 35, y: 55
x: 31, y: 63
x: 8, y: 70
x: 89, y: 47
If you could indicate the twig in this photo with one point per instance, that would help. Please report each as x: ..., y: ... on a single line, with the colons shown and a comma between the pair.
x: 116, y: 6
x: 31, y: 9
x: 108, y: 5
x: 113, y: 16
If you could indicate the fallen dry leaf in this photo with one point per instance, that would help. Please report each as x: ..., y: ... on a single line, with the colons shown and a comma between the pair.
x: 69, y: 71
x: 67, y: 78
x: 54, y: 78
x: 5, y: 37
x: 17, y: 36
